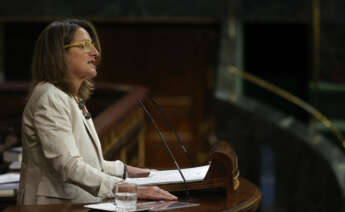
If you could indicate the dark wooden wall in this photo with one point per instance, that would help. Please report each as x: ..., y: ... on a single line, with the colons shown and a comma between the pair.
x: 177, y: 62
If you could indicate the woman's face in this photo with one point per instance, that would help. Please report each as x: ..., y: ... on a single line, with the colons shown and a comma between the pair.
x: 81, y: 64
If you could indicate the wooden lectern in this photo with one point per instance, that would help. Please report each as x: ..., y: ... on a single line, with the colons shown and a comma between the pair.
x: 224, y: 173
x: 241, y: 195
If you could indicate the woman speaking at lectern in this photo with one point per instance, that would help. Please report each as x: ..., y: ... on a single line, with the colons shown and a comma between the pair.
x: 62, y: 157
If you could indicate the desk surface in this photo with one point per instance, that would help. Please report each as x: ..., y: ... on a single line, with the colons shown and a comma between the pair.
x: 247, y: 198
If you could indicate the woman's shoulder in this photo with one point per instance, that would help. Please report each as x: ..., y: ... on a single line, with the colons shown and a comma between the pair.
x: 46, y: 91
x: 46, y: 88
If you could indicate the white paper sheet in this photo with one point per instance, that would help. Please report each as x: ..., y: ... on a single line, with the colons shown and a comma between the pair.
x: 171, y: 176
x: 9, y: 177
x: 109, y: 206
x: 102, y: 206
x: 144, y: 206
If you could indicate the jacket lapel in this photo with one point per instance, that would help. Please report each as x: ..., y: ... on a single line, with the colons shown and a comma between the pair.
x: 92, y: 132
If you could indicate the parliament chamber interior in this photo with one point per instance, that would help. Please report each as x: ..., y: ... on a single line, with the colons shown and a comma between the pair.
x: 265, y: 77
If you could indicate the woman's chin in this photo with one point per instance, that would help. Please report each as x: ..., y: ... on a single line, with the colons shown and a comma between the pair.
x: 93, y: 73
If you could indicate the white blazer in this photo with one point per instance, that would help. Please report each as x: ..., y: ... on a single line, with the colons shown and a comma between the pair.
x: 62, y: 156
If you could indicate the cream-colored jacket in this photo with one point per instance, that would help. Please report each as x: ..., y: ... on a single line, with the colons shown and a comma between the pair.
x: 62, y: 156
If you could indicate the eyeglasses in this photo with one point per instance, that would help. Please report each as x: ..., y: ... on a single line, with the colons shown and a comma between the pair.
x: 86, y: 45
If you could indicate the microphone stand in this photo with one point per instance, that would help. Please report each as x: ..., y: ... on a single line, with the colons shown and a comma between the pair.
x: 161, y: 112
x: 165, y: 144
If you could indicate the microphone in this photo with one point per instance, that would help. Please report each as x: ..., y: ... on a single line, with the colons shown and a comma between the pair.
x: 162, y: 113
x: 165, y: 143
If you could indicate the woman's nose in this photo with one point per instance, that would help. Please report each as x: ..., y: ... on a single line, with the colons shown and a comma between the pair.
x: 94, y: 52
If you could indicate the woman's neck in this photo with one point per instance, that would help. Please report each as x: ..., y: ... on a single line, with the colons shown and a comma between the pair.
x: 76, y: 86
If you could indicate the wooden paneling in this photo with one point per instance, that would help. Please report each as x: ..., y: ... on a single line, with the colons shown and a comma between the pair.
x: 177, y: 62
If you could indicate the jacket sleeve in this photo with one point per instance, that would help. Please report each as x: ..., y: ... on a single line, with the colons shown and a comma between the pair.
x: 52, y: 119
x: 114, y: 168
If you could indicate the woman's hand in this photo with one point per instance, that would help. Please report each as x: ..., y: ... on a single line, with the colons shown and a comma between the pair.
x: 154, y: 193
x: 137, y: 172
x: 148, y: 192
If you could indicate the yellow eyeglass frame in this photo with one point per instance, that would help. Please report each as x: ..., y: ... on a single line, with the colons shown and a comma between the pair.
x: 86, y: 45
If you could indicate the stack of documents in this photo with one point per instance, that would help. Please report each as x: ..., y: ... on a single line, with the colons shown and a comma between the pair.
x: 171, y: 176
x: 9, y: 184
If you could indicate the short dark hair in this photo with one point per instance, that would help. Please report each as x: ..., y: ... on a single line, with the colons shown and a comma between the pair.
x: 49, y: 62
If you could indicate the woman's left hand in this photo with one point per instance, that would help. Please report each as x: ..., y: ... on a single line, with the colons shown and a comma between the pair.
x: 134, y: 172
x: 154, y: 193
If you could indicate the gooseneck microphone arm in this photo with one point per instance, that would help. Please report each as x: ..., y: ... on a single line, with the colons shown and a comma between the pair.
x: 164, y: 141
x: 171, y: 127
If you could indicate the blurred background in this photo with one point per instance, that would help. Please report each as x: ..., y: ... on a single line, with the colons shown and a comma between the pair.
x: 188, y: 53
